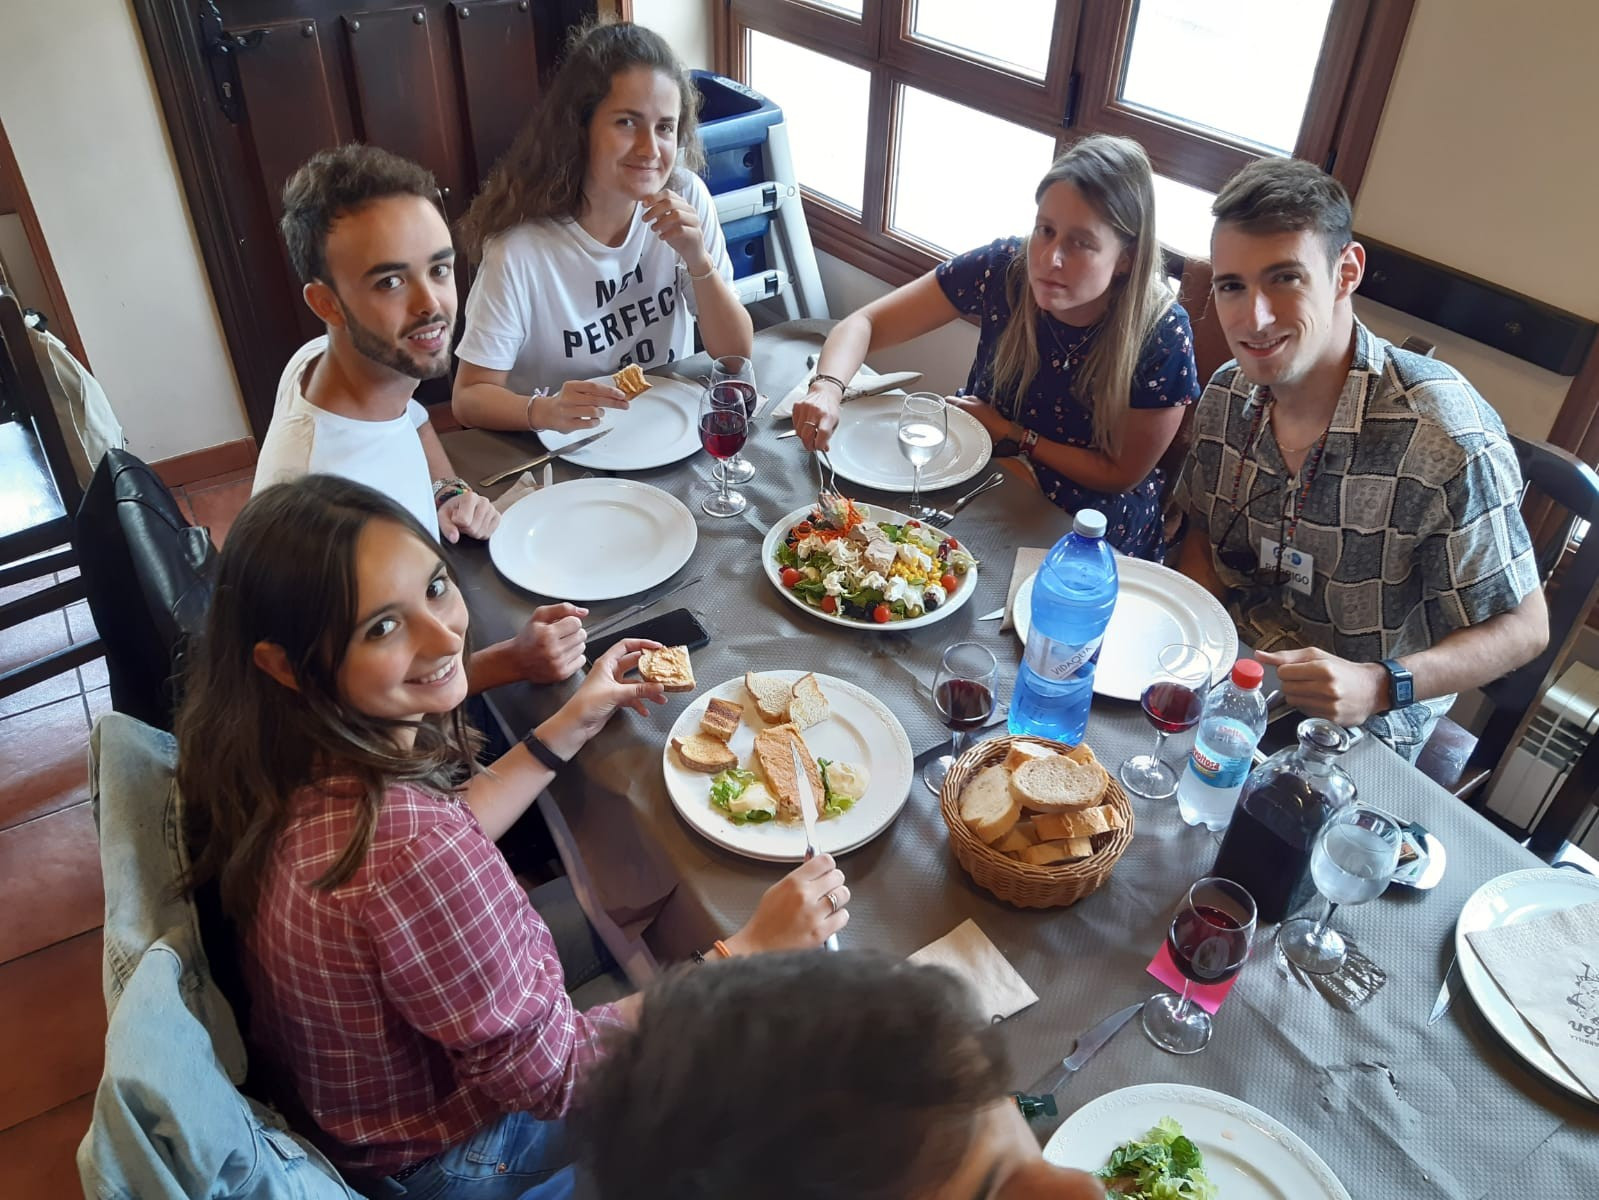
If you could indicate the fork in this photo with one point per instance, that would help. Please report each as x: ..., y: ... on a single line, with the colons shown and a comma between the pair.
x: 944, y: 516
x: 827, y: 497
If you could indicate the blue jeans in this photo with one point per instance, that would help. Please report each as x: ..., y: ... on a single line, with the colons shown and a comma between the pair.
x: 520, y: 1157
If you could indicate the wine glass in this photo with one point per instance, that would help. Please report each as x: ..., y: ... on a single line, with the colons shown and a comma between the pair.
x: 734, y: 375
x: 923, y: 429
x: 1209, y: 941
x: 1352, y: 861
x: 724, y: 426
x: 963, y: 690
x: 1172, y: 702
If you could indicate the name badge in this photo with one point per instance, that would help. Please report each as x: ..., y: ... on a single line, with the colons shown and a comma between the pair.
x: 1299, y: 566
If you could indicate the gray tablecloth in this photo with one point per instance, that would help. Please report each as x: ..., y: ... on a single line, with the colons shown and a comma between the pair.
x: 1396, y: 1108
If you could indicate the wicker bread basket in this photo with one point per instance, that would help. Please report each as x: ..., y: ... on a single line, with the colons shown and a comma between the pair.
x: 1019, y: 883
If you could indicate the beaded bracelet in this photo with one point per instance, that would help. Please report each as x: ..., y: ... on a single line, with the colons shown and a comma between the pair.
x: 445, y: 490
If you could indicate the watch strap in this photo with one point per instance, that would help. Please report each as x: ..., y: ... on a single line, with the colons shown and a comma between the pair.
x: 1401, y: 684
x: 536, y: 747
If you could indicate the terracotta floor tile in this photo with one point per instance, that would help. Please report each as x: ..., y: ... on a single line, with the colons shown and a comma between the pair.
x: 43, y: 761
x: 52, y: 1028
x: 49, y: 881
x: 216, y: 507
x: 36, y: 1157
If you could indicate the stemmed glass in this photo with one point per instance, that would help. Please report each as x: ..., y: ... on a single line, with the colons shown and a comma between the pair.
x: 733, y: 378
x: 1209, y: 941
x: 1352, y: 861
x: 923, y: 428
x: 1172, y: 702
x: 963, y: 690
x: 724, y: 426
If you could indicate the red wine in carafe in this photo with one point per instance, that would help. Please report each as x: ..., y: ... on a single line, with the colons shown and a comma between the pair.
x: 1266, y: 849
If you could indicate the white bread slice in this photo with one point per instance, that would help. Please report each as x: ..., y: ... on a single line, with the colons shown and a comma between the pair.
x: 771, y: 695
x: 668, y: 666
x: 722, y: 719
x: 1047, y: 853
x: 1056, y: 784
x: 807, y: 705
x: 777, y: 764
x: 1025, y: 752
x: 988, y: 806
x: 699, y: 752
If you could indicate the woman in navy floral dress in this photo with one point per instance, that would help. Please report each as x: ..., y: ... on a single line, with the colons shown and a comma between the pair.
x: 1084, y: 359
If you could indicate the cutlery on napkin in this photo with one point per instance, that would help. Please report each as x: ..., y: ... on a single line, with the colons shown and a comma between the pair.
x: 1028, y: 560
x: 967, y: 951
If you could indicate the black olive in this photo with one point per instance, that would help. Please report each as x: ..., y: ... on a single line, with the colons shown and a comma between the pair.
x: 929, y: 603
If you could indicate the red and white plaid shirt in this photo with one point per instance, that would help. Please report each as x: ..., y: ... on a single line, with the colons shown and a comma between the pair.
x: 418, y: 1000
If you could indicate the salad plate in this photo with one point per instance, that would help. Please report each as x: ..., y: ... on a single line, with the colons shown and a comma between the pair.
x: 1247, y: 1154
x: 859, y: 730
x: 855, y: 578
x: 660, y: 427
x: 865, y: 447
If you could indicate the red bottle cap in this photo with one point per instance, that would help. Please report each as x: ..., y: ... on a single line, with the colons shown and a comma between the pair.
x: 1247, y: 673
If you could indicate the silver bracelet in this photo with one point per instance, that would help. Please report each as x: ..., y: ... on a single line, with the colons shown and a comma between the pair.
x: 709, y: 271
x: 538, y: 394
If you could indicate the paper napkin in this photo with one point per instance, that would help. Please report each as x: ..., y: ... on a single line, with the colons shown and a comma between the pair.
x: 1028, y: 560
x: 785, y: 406
x: 1549, y: 969
x: 525, y: 484
x: 967, y: 951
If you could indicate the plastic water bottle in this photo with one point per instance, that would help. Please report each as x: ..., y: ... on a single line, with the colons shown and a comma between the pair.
x: 1073, y: 597
x: 1224, y: 745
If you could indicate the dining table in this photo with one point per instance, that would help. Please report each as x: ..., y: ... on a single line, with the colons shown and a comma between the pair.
x: 1395, y: 1106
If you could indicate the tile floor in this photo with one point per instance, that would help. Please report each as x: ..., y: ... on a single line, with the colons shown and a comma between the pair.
x: 52, y: 1019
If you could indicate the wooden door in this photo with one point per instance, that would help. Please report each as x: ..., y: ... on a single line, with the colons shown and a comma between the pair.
x: 252, y: 88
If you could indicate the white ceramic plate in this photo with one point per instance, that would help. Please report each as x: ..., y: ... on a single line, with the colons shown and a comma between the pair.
x: 1155, y: 606
x: 860, y: 730
x: 865, y: 447
x: 1247, y: 1155
x: 1509, y: 900
x: 874, y: 512
x: 593, y: 539
x: 661, y: 427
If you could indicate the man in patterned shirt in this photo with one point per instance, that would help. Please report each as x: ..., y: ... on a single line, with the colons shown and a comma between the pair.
x: 1355, y: 505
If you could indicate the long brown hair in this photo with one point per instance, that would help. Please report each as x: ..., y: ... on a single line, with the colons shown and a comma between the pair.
x: 541, y: 175
x: 246, y: 743
x: 1113, y: 175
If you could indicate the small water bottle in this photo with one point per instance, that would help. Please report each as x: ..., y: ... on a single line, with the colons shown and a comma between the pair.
x: 1073, y: 597
x: 1224, y: 745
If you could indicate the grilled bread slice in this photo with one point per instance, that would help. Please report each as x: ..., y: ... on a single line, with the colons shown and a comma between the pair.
x: 722, y: 719
x: 700, y: 752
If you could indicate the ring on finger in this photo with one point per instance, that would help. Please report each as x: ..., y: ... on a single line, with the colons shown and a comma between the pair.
x: 832, y: 900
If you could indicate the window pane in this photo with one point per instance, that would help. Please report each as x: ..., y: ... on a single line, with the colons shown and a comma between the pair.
x: 1238, y: 43
x: 824, y: 102
x: 1014, y: 33
x: 1182, y: 216
x: 938, y: 200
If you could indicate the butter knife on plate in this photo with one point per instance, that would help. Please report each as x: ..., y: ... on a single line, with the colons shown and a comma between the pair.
x: 1088, y: 1045
x: 541, y: 459
x: 807, y: 798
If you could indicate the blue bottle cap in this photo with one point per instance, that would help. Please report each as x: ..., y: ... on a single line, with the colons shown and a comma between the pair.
x: 1089, y: 522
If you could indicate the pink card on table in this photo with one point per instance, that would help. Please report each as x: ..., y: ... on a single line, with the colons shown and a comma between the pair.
x: 1207, y: 995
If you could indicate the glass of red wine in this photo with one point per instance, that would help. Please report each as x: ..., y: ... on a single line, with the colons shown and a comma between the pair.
x: 1209, y: 942
x: 733, y: 377
x: 1172, y: 702
x: 724, y: 427
x: 963, y: 691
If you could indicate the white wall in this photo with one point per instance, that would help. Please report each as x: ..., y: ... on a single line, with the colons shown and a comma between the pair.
x: 685, y: 24
x: 80, y: 108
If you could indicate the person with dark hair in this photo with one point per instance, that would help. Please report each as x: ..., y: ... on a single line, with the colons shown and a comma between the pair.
x: 404, y: 997
x: 848, y: 1076
x: 600, y: 246
x: 1357, y: 506
x: 1085, y: 360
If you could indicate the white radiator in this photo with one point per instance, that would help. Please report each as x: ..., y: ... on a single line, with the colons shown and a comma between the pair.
x: 1560, y: 731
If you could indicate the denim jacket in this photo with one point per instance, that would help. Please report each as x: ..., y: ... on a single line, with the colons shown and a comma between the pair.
x: 169, y: 1120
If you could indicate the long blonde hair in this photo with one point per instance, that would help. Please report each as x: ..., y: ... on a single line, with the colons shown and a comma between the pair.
x: 1113, y: 175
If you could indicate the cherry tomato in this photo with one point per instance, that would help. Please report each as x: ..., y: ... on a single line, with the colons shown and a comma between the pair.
x: 882, y: 614
x: 791, y: 576
x: 912, y: 523
x: 947, y: 583
x: 829, y: 604
x: 953, y: 544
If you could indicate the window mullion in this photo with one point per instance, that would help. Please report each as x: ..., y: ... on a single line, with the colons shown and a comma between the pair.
x: 880, y: 134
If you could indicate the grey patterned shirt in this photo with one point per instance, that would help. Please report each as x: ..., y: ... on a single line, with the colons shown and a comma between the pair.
x: 1412, y: 516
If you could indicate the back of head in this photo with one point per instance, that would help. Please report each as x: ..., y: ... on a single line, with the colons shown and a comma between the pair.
x: 1287, y: 195
x: 334, y: 183
x: 871, y: 1068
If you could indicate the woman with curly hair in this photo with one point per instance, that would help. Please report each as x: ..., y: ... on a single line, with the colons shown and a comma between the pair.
x: 600, y: 247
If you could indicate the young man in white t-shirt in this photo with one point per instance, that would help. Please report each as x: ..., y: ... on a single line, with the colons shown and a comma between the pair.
x: 367, y: 239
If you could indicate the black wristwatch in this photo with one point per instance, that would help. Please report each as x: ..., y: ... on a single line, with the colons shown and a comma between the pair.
x: 1401, y: 684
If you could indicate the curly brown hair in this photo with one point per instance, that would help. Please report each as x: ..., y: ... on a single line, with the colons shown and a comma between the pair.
x: 541, y: 175
x: 335, y: 182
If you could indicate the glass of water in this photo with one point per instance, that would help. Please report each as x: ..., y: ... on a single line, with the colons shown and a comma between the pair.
x: 923, y: 429
x: 1352, y: 861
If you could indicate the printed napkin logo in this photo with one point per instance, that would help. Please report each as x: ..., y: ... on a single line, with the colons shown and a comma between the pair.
x: 1586, y: 1001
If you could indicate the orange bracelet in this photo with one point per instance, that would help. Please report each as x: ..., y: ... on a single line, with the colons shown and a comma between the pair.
x: 721, y: 948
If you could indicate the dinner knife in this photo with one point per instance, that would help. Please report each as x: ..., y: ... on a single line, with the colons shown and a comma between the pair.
x: 1088, y: 1045
x: 807, y: 798
x: 546, y: 456
x: 633, y: 610
x: 1446, y: 994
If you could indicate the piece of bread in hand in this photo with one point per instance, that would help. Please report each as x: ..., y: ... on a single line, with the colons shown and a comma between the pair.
x: 772, y: 751
x: 701, y: 752
x: 721, y: 719
x: 1056, y: 784
x: 771, y: 695
x: 988, y: 806
x: 630, y: 380
x: 669, y: 667
x: 807, y: 705
x: 1048, y: 853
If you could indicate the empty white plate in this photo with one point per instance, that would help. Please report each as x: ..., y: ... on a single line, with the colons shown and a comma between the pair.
x: 865, y: 447
x: 661, y: 427
x: 593, y: 539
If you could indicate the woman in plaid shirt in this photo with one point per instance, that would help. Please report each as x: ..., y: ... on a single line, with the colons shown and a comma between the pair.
x: 405, y: 1003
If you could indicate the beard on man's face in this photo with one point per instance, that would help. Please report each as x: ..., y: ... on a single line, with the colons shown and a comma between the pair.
x: 372, y: 345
